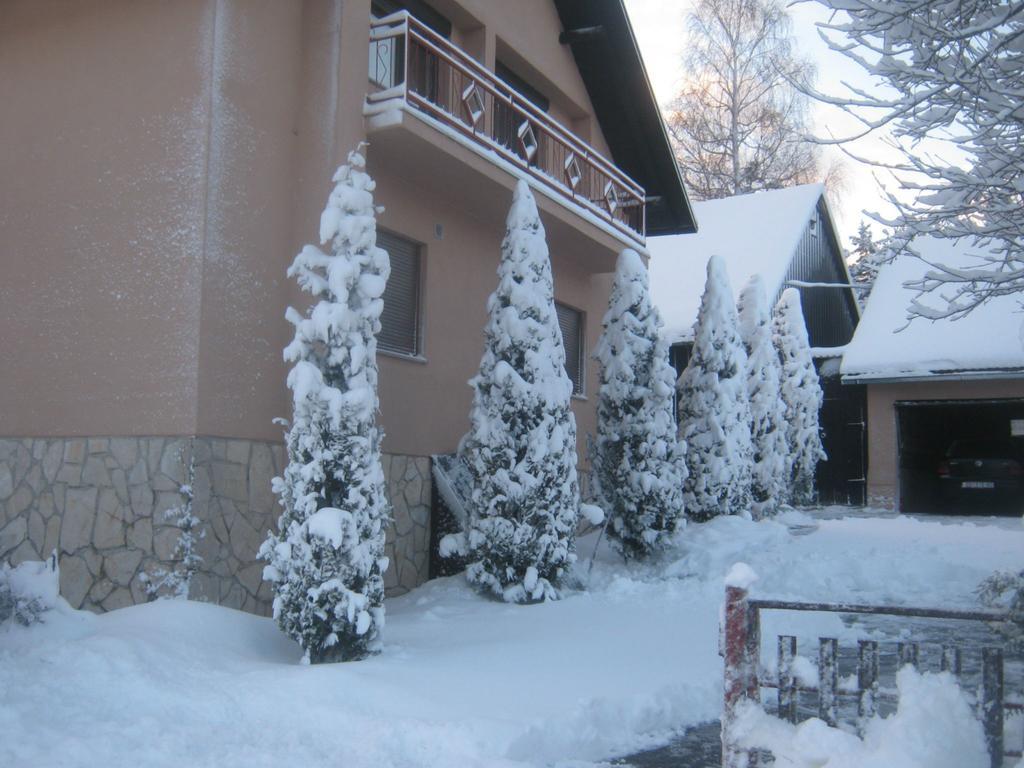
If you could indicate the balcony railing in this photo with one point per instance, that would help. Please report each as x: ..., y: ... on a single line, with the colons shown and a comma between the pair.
x: 408, y: 60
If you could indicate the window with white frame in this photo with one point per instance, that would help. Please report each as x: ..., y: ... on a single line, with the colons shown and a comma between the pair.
x: 570, y: 322
x: 400, y: 320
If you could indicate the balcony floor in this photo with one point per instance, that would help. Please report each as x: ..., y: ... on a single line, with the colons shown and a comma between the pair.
x: 413, y: 145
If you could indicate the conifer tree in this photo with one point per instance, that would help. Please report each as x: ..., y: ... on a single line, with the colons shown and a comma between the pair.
x: 637, y: 465
x: 714, y: 414
x: 863, y: 243
x: 767, y: 409
x: 521, y: 447
x: 327, y: 560
x: 801, y: 392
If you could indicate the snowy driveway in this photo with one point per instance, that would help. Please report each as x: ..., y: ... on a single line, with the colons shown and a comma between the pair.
x: 619, y: 667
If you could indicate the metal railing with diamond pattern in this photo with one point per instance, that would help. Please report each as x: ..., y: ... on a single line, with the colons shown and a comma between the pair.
x: 409, y: 60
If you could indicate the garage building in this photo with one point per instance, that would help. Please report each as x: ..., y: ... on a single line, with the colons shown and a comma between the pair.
x: 936, y: 384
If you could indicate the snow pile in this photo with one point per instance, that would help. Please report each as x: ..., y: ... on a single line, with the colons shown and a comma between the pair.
x: 988, y: 340
x: 801, y: 393
x: 752, y: 234
x: 714, y: 413
x: 637, y: 464
x: 934, y: 726
x: 521, y: 446
x: 740, y: 576
x: 29, y: 590
x: 768, y: 485
x: 327, y: 561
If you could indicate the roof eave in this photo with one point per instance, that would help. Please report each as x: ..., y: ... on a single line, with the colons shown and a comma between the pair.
x: 1012, y: 374
x: 616, y: 80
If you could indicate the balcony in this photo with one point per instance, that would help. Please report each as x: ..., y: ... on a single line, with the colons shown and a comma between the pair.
x: 422, y: 71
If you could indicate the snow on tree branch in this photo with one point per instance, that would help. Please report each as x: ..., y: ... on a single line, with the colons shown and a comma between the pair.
x: 521, y: 446
x: 949, y: 92
x: 327, y: 560
x: 801, y: 393
x: 714, y: 410
x: 767, y: 408
x: 638, y: 468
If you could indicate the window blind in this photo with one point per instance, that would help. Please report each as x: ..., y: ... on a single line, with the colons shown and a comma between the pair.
x: 400, y: 326
x: 570, y: 322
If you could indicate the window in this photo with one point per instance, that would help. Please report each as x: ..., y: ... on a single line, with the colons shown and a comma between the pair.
x: 813, y: 226
x: 417, y: 8
x: 400, y: 320
x: 679, y: 356
x: 538, y: 99
x: 387, y: 57
x: 522, y: 137
x: 570, y: 322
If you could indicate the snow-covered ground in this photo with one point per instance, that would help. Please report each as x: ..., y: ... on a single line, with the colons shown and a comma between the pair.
x: 463, y: 681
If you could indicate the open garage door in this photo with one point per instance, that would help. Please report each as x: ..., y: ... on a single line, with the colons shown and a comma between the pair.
x: 925, y: 432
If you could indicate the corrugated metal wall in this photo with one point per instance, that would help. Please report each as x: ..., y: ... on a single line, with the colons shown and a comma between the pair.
x: 830, y: 313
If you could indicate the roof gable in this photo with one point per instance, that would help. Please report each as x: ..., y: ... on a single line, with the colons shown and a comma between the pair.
x: 756, y: 233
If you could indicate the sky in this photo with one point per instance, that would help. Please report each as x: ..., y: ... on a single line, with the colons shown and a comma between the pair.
x: 660, y: 30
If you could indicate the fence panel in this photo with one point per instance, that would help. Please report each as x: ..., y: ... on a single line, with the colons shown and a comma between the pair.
x: 741, y: 635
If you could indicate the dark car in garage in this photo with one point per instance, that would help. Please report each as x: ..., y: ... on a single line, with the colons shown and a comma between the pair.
x: 983, y: 472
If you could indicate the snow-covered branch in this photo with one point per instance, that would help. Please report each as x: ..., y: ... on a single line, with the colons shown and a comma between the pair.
x: 949, y: 74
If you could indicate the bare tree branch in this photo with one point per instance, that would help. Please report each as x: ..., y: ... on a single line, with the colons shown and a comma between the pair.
x: 740, y: 124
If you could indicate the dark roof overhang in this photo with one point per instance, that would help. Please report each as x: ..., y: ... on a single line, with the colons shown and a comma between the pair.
x: 608, y: 57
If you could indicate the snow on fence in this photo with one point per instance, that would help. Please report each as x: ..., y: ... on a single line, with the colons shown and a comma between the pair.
x: 745, y: 676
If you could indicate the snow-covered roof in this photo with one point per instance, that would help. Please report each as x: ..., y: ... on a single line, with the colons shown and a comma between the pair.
x: 988, y: 342
x: 754, y: 234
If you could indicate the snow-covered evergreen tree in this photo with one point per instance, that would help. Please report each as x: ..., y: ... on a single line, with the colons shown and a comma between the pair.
x: 637, y: 464
x: 327, y: 561
x: 801, y: 391
x: 767, y: 410
x: 177, y: 580
x: 714, y: 414
x: 863, y: 243
x: 521, y: 447
x: 871, y: 255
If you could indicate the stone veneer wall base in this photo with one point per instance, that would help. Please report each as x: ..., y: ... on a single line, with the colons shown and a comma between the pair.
x: 108, y: 505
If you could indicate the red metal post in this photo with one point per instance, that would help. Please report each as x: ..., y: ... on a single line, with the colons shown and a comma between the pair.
x: 740, y: 669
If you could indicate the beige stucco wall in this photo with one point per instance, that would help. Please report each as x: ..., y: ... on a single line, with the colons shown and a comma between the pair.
x: 145, y: 210
x: 425, y: 406
x: 171, y: 158
x: 883, y: 458
x: 103, y: 123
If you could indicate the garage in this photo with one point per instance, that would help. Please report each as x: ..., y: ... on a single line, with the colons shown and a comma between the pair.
x: 926, y: 431
x: 953, y: 382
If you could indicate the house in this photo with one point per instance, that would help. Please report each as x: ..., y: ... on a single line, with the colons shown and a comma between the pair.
x: 932, y: 382
x: 788, y: 237
x: 163, y: 163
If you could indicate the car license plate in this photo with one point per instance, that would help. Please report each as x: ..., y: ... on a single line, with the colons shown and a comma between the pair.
x: 977, y: 484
